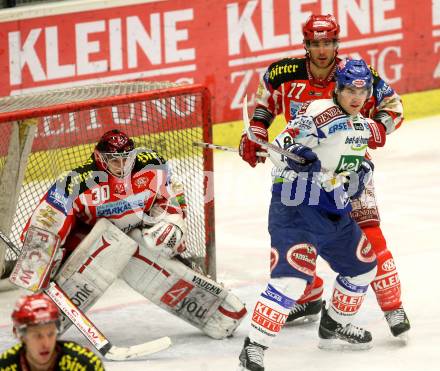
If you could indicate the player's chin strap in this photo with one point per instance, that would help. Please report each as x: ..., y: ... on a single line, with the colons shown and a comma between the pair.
x: 90, y: 331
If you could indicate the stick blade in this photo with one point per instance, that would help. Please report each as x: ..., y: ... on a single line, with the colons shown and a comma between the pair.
x: 121, y: 354
x: 246, y: 122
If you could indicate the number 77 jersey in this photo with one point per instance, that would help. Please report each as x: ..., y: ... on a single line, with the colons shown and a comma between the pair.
x: 288, y: 83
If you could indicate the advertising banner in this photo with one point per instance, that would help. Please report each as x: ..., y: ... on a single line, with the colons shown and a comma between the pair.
x: 224, y: 44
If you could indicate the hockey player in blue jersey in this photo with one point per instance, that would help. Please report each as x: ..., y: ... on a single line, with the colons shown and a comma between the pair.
x: 310, y: 215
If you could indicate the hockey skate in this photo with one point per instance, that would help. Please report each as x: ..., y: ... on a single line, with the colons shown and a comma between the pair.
x: 399, y: 323
x: 307, y: 312
x: 251, y: 356
x: 334, y: 336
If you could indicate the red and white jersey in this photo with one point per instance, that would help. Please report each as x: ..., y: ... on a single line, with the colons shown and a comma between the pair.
x: 288, y: 83
x: 86, y: 194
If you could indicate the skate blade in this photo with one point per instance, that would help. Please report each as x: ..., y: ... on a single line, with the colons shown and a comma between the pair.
x: 338, y: 344
x: 303, y: 320
x: 403, y: 338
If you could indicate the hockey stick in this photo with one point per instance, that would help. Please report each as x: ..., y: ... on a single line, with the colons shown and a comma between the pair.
x: 224, y: 148
x: 89, y: 330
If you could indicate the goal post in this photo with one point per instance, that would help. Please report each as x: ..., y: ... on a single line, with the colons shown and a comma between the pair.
x: 45, y: 134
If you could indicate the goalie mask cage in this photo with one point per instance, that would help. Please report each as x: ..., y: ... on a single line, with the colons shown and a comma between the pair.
x: 43, y: 135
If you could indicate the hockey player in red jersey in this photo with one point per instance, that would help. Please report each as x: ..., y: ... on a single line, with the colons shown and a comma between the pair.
x: 36, y: 322
x: 286, y: 85
x: 121, y: 214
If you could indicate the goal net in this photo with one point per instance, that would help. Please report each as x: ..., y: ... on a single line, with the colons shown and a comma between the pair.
x: 43, y: 135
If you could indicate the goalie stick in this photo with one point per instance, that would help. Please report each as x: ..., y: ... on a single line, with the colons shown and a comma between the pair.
x: 224, y: 148
x: 89, y: 330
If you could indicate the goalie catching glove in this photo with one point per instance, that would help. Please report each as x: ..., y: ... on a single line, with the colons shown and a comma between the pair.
x: 167, y: 235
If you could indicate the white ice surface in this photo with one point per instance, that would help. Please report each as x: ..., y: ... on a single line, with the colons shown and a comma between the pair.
x: 408, y: 187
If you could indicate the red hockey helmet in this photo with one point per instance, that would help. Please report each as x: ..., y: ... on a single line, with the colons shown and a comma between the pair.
x: 321, y: 27
x: 115, y: 153
x: 36, y: 309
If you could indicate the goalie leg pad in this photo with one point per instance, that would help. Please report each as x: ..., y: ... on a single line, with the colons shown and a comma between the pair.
x: 94, y: 265
x: 173, y: 286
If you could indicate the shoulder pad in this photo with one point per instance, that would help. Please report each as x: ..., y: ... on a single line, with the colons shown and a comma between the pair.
x: 376, y: 76
x: 78, y: 177
x: 149, y: 157
x: 286, y: 69
x: 380, y: 88
x: 12, y: 353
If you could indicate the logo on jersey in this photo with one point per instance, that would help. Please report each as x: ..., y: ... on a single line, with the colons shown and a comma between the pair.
x: 119, y: 188
x: 358, y: 126
x: 328, y: 115
x: 281, y: 70
x: 340, y: 126
x: 294, y: 108
x: 141, y: 181
x: 120, y: 207
x: 349, y: 163
x: 58, y: 201
x: 302, y: 257
x: 357, y: 143
x: 315, y: 93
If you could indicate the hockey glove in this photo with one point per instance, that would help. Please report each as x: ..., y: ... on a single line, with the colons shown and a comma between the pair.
x: 248, y: 149
x: 312, y: 164
x: 166, y: 237
x: 357, y: 181
x: 378, y: 135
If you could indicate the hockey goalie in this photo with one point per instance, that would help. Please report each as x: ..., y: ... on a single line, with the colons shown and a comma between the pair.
x: 121, y: 214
